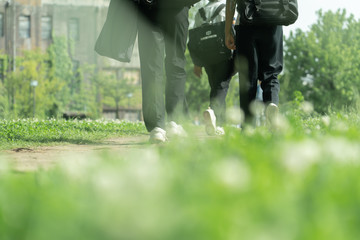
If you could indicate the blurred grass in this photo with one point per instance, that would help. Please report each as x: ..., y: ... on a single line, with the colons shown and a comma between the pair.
x: 298, y: 182
x: 29, y: 132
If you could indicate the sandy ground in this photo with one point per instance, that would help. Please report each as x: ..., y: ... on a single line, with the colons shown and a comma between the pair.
x: 29, y: 159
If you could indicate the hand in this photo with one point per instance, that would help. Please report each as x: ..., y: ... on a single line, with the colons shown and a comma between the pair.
x: 198, y: 71
x: 230, y: 41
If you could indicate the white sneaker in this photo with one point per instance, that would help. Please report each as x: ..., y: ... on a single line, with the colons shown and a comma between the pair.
x: 271, y: 113
x: 210, y: 121
x: 157, y: 135
x: 219, y: 131
x: 175, y: 130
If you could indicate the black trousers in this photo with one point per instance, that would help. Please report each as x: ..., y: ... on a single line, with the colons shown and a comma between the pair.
x: 219, y: 76
x: 162, y: 37
x: 259, y: 52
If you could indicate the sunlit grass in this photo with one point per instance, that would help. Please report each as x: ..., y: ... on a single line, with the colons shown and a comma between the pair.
x: 300, y: 181
x: 33, y: 132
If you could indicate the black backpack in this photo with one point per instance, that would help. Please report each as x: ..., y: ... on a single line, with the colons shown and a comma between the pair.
x: 267, y: 12
x: 166, y: 3
x: 207, y: 42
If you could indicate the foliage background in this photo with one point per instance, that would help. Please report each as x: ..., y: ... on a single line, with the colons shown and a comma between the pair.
x: 322, y: 64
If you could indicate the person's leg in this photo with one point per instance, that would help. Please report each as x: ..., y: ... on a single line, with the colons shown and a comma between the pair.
x: 219, y: 76
x: 270, y: 46
x: 151, y: 51
x: 175, y: 26
x: 246, y: 62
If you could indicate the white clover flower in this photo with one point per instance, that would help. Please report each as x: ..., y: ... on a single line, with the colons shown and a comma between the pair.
x: 326, y: 120
x: 299, y: 156
x: 307, y: 107
x: 4, y: 164
x: 79, y: 165
x: 145, y: 168
x: 281, y: 124
x: 341, y: 150
x: 109, y: 182
x: 257, y: 108
x: 233, y: 173
x: 235, y: 115
x: 249, y: 130
x: 340, y: 126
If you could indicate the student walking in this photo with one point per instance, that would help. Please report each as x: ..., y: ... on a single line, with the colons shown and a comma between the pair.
x: 259, y: 51
x: 162, y: 36
x: 219, y: 72
x: 162, y: 30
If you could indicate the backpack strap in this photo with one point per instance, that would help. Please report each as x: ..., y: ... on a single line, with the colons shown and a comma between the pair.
x: 202, y: 14
x: 286, y: 5
x: 215, y: 14
x: 217, y: 11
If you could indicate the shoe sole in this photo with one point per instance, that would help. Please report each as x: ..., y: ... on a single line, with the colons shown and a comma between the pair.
x: 210, y: 128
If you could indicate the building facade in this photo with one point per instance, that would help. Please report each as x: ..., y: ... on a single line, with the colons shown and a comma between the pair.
x: 30, y: 24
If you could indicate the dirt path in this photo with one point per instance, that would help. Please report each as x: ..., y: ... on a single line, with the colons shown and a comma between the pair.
x: 28, y: 159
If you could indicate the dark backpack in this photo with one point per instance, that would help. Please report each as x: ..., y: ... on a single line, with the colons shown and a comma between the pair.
x: 167, y: 3
x: 267, y: 12
x: 207, y: 42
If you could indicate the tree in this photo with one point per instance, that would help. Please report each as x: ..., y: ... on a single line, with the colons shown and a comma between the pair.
x: 61, y: 87
x: 324, y: 62
x: 61, y: 72
x: 115, y: 90
x: 31, y: 66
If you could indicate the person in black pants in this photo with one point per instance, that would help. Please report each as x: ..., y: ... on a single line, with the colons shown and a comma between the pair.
x: 162, y: 35
x: 219, y: 76
x: 259, y: 51
x: 219, y: 73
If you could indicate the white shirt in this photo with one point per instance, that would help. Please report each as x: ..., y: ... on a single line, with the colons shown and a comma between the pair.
x: 210, y: 8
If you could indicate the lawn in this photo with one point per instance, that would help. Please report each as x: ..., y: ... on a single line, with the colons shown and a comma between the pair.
x: 298, y: 181
x: 29, y: 132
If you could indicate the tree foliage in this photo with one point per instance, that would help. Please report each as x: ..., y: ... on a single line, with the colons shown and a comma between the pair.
x: 61, y: 87
x: 116, y: 91
x: 323, y: 63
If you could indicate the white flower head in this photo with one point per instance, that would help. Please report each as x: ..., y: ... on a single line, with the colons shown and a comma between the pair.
x: 235, y: 115
x: 233, y: 173
x: 307, y: 107
x: 257, y: 108
x: 326, y: 120
x: 299, y: 156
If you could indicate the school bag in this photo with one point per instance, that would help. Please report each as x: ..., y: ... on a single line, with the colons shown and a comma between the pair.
x: 118, y: 34
x: 166, y: 3
x: 207, y: 42
x: 267, y: 12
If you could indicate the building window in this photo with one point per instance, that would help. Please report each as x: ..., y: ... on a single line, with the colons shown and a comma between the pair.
x: 74, y: 29
x: 1, y: 25
x: 46, y: 27
x: 24, y: 26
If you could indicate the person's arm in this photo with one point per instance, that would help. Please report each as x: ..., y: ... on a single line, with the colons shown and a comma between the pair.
x: 198, y: 71
x: 229, y: 37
